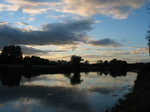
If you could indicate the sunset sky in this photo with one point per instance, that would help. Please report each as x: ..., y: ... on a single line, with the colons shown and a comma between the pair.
x: 92, y: 29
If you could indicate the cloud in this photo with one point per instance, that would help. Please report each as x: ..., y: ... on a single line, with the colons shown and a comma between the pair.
x: 105, y: 43
x: 118, y: 9
x: 19, y: 23
x: 4, y: 7
x: 58, y: 16
x: 26, y: 50
x: 4, y: 23
x: 28, y: 6
x: 103, y: 90
x: 139, y: 50
x: 48, y: 97
x: 70, y: 33
x: 68, y: 47
x: 32, y: 51
x: 135, y: 60
x: 97, y: 21
x: 57, y: 51
x: 31, y: 19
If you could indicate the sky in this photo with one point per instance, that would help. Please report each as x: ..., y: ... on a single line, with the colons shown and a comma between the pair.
x: 92, y: 29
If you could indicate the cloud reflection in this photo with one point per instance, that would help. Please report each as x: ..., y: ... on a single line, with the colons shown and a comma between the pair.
x: 103, y: 90
x: 67, y: 98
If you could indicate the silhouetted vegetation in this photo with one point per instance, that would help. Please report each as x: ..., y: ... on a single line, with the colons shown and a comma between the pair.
x: 11, y: 55
x: 76, y: 60
x: 148, y: 38
x: 35, y: 60
x: 138, y: 99
x: 148, y: 32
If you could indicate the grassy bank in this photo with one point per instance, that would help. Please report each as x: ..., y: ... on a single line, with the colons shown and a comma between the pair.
x: 139, y: 99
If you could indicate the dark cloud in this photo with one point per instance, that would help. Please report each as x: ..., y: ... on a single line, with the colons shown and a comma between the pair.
x: 105, y: 43
x: 25, y: 23
x: 57, y: 51
x: 51, y: 34
x: 26, y: 50
x: 32, y: 51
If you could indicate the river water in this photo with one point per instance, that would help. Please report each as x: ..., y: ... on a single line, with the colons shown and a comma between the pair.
x: 75, y: 92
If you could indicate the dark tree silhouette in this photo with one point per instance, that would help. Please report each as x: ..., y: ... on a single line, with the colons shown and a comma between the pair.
x: 11, y: 55
x: 35, y: 60
x: 148, y: 38
x: 61, y: 62
x: 118, y: 64
x: 99, y: 61
x: 106, y: 63
x: 148, y: 32
x: 86, y: 62
x: 75, y: 60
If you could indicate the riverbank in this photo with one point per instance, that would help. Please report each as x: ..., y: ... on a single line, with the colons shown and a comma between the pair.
x: 138, y: 99
x: 46, y: 68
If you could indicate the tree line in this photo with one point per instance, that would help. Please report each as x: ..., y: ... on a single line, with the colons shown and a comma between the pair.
x: 13, y: 55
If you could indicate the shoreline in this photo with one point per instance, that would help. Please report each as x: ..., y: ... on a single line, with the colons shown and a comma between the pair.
x: 138, y: 99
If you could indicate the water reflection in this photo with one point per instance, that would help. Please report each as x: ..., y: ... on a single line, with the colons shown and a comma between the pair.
x: 10, y: 79
x: 75, y: 78
x: 13, y: 79
x: 113, y: 73
x: 72, y: 92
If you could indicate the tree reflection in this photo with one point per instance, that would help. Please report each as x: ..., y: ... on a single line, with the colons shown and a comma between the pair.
x: 75, y: 78
x: 116, y: 73
x: 113, y: 72
x: 29, y: 74
x: 86, y: 73
x: 10, y: 80
x: 13, y: 79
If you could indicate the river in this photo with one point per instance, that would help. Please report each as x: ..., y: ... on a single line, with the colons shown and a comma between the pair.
x: 73, y: 92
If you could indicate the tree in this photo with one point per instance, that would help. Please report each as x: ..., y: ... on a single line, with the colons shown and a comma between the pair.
x: 99, y: 61
x: 75, y: 60
x: 113, y: 62
x: 148, y: 38
x: 35, y: 60
x: 11, y: 55
x: 61, y: 62
x: 148, y: 32
x: 106, y: 63
x: 118, y: 63
x: 86, y: 62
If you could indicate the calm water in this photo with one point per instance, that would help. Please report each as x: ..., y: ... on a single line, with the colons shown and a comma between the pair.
x: 64, y: 93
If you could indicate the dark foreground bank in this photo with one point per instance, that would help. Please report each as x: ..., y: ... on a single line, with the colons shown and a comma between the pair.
x: 139, y: 99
